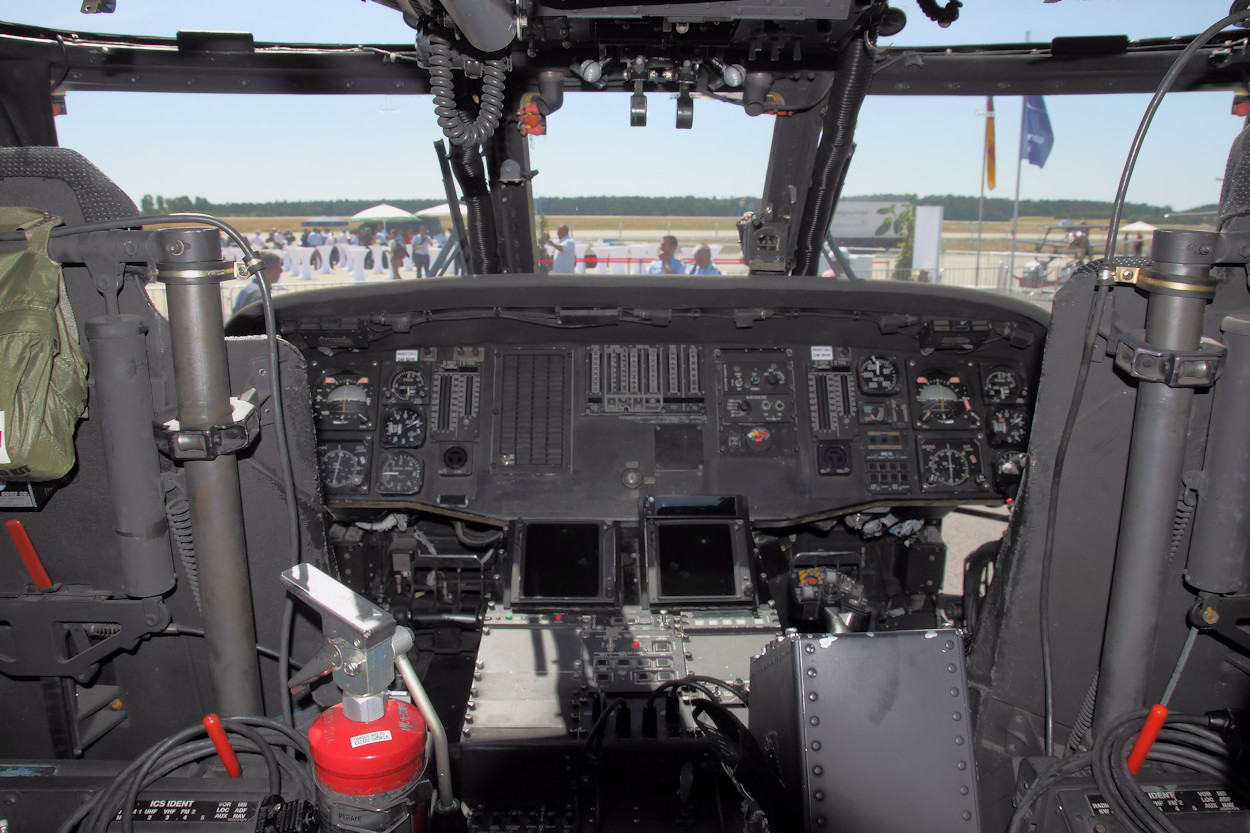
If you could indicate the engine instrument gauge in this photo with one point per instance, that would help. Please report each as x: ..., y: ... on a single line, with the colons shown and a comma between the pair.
x: 951, y: 464
x: 345, y: 400
x: 1002, y: 384
x: 408, y: 385
x: 878, y: 375
x: 344, y: 466
x: 400, y: 473
x: 943, y: 400
x: 404, y: 428
x: 1008, y: 426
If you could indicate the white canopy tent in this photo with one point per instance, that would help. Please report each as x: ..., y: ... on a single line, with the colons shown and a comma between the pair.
x: 383, y: 213
x: 1140, y: 225
x: 441, y: 210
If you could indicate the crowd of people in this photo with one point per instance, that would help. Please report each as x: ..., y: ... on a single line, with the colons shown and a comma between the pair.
x: 562, y: 250
x: 366, y: 236
x: 416, y: 246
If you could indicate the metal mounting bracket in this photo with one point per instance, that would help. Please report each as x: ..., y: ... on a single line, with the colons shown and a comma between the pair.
x: 1222, y: 614
x: 178, y: 443
x: 42, y: 622
x: 1175, y: 369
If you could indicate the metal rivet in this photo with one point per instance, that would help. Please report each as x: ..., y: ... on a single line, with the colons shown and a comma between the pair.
x: 962, y: 765
x: 957, y: 717
x: 809, y: 648
x: 949, y: 645
x: 811, y: 672
x: 963, y: 790
x: 815, y: 746
x: 967, y: 815
x: 959, y: 740
x: 818, y: 795
x: 813, y: 696
x: 954, y: 692
x: 815, y: 721
x: 952, y: 668
x: 818, y: 770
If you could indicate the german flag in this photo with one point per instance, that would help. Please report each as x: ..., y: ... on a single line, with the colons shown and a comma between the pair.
x: 990, y: 173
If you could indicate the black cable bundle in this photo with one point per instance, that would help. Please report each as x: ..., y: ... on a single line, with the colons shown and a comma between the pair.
x: 255, y: 735
x: 1189, y: 741
x: 833, y: 154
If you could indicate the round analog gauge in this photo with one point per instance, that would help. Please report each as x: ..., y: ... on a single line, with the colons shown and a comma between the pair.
x: 400, y: 473
x: 408, y: 385
x: 1008, y: 426
x: 1002, y: 384
x: 345, y: 400
x: 942, y: 399
x: 878, y: 375
x: 404, y: 428
x: 344, y: 466
x: 948, y: 464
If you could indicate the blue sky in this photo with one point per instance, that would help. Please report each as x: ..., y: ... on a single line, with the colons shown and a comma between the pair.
x: 375, y: 147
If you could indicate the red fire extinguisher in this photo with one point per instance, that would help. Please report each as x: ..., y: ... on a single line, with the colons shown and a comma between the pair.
x: 367, y: 773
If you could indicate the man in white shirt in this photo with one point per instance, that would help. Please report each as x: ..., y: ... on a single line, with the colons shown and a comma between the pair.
x: 564, y: 256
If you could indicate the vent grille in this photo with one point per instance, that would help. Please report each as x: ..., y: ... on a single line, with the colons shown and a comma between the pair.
x: 533, y: 409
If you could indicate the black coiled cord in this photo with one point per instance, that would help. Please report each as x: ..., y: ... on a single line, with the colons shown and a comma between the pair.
x: 941, y: 15
x: 833, y: 156
x: 459, y: 128
x: 470, y: 171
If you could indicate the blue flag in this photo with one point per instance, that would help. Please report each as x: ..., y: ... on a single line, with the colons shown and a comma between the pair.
x: 1037, y: 138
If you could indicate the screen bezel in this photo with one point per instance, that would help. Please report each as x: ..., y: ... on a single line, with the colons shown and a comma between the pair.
x: 606, y: 583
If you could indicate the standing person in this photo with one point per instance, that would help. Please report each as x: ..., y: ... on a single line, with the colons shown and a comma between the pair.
x: 271, y: 274
x: 277, y: 239
x: 1139, y: 245
x: 398, y: 253
x: 666, y: 261
x: 564, y: 251
x: 703, y: 261
x: 421, y: 252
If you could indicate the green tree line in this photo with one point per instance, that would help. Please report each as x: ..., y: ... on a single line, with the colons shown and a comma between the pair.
x: 955, y: 207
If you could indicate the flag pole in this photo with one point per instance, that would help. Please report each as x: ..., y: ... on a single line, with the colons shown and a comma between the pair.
x: 1015, y: 207
x: 981, y: 205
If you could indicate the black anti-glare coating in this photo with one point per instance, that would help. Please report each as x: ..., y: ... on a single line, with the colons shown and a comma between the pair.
x: 696, y: 560
x: 561, y: 561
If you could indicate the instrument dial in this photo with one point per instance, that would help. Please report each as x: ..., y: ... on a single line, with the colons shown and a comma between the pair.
x: 1002, y: 384
x: 344, y: 466
x: 878, y: 375
x: 944, y: 399
x: 345, y: 400
x: 404, y: 428
x: 951, y: 464
x: 408, y: 385
x: 1008, y: 426
x: 400, y: 473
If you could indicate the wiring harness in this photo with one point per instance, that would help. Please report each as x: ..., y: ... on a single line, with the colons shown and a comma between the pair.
x: 1193, y: 742
x: 258, y: 735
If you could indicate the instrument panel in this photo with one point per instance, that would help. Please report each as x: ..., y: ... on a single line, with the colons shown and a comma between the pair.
x: 587, y: 430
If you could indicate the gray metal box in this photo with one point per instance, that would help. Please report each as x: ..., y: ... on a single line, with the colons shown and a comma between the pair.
x: 870, y: 730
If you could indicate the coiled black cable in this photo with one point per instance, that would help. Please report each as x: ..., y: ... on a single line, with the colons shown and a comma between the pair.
x: 255, y: 734
x: 833, y: 155
x: 178, y: 513
x: 941, y: 15
x: 470, y: 170
x: 459, y: 128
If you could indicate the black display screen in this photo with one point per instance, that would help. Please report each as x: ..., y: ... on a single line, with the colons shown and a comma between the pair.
x: 561, y: 561
x: 695, y: 560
